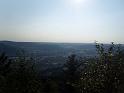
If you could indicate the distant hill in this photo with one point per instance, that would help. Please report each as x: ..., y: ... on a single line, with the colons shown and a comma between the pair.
x: 48, y: 55
x: 47, y: 49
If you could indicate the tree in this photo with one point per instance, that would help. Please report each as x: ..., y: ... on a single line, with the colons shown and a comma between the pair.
x: 72, y: 74
x: 23, y: 78
x: 105, y: 73
x: 5, y: 69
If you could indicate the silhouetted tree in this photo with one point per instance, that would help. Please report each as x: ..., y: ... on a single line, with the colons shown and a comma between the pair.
x: 4, y: 71
x: 23, y: 78
x: 104, y: 74
x: 72, y: 74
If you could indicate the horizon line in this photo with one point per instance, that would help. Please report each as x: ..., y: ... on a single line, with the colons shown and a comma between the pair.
x: 57, y: 42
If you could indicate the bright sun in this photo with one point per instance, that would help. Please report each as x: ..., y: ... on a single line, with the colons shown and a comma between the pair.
x: 78, y: 3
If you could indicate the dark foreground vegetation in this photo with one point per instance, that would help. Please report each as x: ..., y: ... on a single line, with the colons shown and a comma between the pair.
x: 101, y: 74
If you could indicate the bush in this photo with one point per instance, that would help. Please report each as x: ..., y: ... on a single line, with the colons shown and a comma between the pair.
x: 105, y: 73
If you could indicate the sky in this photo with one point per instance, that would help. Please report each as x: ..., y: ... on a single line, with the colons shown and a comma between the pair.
x: 77, y: 21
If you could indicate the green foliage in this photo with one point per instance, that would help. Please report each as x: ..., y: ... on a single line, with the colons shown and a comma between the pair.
x: 4, y: 64
x: 101, y: 74
x: 4, y: 70
x: 21, y: 79
x: 105, y: 74
x: 71, y: 71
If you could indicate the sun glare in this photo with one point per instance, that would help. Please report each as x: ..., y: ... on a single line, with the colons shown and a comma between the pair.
x: 78, y: 3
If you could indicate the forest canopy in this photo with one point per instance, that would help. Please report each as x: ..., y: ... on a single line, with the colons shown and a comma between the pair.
x: 103, y: 73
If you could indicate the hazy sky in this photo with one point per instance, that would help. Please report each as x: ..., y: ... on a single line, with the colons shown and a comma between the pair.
x: 62, y: 20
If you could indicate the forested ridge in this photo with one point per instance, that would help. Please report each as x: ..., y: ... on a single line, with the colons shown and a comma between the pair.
x: 103, y: 73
